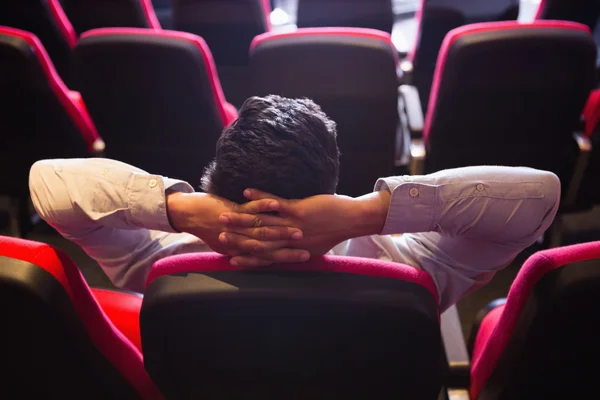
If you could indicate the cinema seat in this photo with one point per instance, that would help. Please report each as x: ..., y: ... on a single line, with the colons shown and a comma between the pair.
x: 500, y: 96
x: 47, y: 20
x: 92, y: 14
x: 372, y: 14
x: 155, y: 97
x: 435, y: 18
x: 228, y: 27
x: 542, y: 341
x: 585, y: 12
x: 39, y: 117
x: 331, y: 328
x: 57, y: 341
x: 351, y: 74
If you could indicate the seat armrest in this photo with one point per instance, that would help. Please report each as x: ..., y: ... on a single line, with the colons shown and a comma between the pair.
x: 404, y: 72
x: 418, y: 154
x: 456, y: 352
x: 409, y: 104
x: 123, y: 309
x: 585, y: 149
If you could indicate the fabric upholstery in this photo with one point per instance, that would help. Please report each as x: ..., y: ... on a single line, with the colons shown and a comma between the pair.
x: 356, y: 13
x: 591, y: 113
x: 123, y: 355
x: 503, y: 321
x: 584, y: 12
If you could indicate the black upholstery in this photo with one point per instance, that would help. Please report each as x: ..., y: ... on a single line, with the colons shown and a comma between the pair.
x: 353, y: 79
x: 374, y: 14
x: 163, y: 11
x: 585, y: 12
x: 553, y: 352
x: 437, y: 18
x: 291, y: 335
x: 228, y: 27
x: 34, y: 16
x: 504, y: 98
x: 151, y: 98
x: 46, y: 350
x: 92, y: 14
x: 34, y: 123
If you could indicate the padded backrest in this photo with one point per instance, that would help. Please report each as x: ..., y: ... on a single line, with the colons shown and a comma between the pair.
x: 155, y: 97
x: 545, y: 344
x: 57, y: 342
x: 228, y: 26
x: 335, y: 327
x: 38, y: 119
x: 585, y: 12
x: 351, y: 74
x: 373, y: 14
x: 46, y: 20
x: 435, y: 18
x: 500, y: 96
x: 92, y: 14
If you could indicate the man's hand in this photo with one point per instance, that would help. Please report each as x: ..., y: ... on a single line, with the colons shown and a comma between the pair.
x: 325, y: 220
x: 200, y: 215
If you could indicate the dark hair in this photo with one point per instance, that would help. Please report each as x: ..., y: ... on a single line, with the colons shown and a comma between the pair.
x: 283, y: 146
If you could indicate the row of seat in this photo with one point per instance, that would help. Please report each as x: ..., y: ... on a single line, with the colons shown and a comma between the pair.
x: 206, y: 329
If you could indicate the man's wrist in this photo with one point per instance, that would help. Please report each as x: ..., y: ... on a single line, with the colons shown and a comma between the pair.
x: 172, y: 201
x: 370, y: 213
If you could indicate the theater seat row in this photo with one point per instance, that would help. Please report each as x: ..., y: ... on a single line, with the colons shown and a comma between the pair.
x: 334, y: 327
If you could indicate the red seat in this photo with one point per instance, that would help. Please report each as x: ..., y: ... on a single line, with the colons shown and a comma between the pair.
x: 435, y: 18
x: 155, y: 97
x: 46, y: 20
x: 351, y: 74
x: 334, y: 327
x: 57, y: 341
x: 37, y: 108
x: 372, y: 14
x: 501, y: 97
x: 87, y: 15
x: 228, y: 27
x: 543, y: 342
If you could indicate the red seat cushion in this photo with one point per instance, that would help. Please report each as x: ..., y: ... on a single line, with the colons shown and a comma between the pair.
x: 591, y: 113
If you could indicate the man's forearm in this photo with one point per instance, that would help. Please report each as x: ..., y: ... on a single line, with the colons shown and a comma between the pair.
x: 369, y: 214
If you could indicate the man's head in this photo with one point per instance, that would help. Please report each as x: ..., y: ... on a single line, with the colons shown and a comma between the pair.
x: 282, y: 146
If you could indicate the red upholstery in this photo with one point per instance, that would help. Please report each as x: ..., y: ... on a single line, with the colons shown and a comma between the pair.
x: 77, y: 113
x: 540, y: 9
x: 153, y: 22
x: 352, y: 32
x: 500, y: 326
x: 591, y: 113
x: 418, y: 17
x: 123, y: 310
x: 63, y: 22
x: 203, y: 262
x: 466, y: 30
x: 211, y: 70
x: 117, y: 349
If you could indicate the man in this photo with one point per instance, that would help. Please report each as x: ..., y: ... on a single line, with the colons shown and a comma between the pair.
x: 459, y: 225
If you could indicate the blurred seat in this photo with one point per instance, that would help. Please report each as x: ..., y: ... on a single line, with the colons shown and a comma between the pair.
x: 163, y: 11
x: 351, y: 74
x: 92, y: 14
x: 585, y: 12
x: 542, y: 341
x: 228, y: 27
x: 331, y: 328
x: 501, y: 97
x: 372, y: 14
x: 155, y: 97
x: 46, y: 20
x: 39, y: 117
x: 57, y: 341
x: 435, y: 18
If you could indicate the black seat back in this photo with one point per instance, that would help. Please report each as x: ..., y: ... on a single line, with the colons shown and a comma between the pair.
x: 373, y: 14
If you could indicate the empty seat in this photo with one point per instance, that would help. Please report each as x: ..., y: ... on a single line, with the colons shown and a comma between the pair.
x: 501, y: 96
x: 435, y: 18
x: 57, y: 342
x: 542, y: 342
x: 39, y: 117
x: 155, y: 97
x: 92, y: 14
x: 373, y: 14
x: 163, y: 11
x: 46, y: 20
x: 331, y: 328
x: 585, y: 12
x: 228, y: 27
x: 351, y: 74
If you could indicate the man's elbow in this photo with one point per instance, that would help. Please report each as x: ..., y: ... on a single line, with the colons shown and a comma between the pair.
x: 39, y: 182
x: 552, y: 191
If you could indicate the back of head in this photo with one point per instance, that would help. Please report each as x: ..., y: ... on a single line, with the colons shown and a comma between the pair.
x: 279, y: 145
